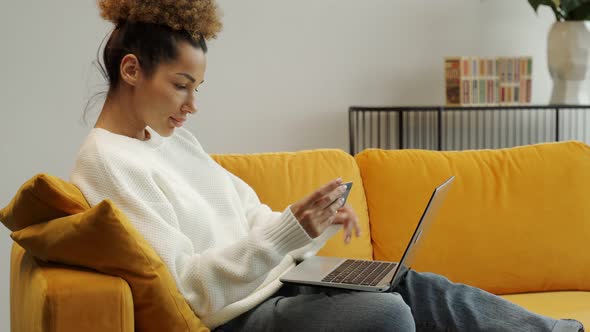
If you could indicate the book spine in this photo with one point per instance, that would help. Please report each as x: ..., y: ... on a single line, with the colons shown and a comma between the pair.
x: 474, y: 88
x: 465, y: 81
x: 529, y: 77
x: 490, y: 82
x: 501, y: 81
x: 496, y: 69
x: 453, y: 81
x: 474, y: 92
x: 522, y: 80
x: 509, y: 80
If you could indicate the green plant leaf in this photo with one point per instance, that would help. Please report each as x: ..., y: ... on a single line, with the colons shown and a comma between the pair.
x: 580, y: 13
x: 569, y: 5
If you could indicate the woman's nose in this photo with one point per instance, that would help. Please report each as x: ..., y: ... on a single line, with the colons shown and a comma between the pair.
x: 189, y: 109
x: 190, y: 106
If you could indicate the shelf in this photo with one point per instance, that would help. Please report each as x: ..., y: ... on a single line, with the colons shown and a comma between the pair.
x: 389, y: 127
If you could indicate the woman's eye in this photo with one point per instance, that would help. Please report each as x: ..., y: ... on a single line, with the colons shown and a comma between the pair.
x: 182, y: 87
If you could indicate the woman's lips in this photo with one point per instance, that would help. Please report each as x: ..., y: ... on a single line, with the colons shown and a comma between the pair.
x: 177, y: 122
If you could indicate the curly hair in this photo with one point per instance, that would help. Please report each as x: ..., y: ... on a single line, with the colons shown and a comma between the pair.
x: 200, y: 18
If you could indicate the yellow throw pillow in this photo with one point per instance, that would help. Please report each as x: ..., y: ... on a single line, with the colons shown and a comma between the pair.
x: 43, y: 197
x: 282, y: 178
x: 101, y: 238
x: 52, y: 220
x: 515, y: 220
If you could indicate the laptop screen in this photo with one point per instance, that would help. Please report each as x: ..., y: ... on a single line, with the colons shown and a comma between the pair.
x: 429, y: 214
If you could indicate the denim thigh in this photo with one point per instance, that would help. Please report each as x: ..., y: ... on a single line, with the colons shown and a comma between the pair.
x: 310, y: 308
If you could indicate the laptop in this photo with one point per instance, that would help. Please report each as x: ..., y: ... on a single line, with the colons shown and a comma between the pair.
x: 366, y: 275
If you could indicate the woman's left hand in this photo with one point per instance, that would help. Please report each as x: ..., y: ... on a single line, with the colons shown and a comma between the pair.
x: 349, y: 221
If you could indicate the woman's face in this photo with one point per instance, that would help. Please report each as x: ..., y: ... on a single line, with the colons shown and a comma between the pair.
x: 164, y: 100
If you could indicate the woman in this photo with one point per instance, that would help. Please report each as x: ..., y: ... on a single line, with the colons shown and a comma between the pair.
x: 223, y: 247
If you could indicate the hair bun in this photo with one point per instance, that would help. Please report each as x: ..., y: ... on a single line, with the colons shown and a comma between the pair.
x: 200, y: 18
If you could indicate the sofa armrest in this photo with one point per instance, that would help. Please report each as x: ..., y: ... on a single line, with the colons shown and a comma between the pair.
x: 53, y: 297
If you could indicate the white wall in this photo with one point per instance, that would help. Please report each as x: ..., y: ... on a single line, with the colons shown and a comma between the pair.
x: 280, y: 78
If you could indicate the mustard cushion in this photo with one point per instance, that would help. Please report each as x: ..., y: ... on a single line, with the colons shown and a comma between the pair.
x: 515, y: 220
x: 283, y: 178
x: 43, y: 197
x: 575, y: 305
x: 103, y: 239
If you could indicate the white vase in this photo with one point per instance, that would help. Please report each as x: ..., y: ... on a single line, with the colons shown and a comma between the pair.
x: 568, y: 56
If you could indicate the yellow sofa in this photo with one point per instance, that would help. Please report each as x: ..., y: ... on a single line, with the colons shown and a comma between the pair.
x: 516, y: 223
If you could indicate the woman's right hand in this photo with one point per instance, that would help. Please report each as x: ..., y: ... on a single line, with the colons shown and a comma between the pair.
x: 318, y: 210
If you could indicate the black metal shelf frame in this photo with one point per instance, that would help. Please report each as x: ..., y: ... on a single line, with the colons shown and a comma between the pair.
x: 356, y: 120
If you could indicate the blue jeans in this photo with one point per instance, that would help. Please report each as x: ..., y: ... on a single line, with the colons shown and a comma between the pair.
x: 421, y: 302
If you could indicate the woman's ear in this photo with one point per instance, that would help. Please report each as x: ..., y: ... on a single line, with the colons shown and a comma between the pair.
x: 130, y: 69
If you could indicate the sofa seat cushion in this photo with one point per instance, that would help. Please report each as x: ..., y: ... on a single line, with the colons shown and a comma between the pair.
x: 558, y: 305
x: 515, y: 220
x: 283, y: 178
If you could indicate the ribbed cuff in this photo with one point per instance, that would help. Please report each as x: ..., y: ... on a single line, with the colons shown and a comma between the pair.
x: 286, y: 234
x: 568, y: 325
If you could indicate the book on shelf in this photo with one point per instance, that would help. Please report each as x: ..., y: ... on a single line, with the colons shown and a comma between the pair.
x: 488, y: 81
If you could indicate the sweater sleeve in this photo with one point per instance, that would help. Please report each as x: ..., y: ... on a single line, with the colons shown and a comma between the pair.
x: 211, y: 279
x: 258, y: 214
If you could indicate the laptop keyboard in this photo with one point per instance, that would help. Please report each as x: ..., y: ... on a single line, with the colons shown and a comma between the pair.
x: 359, y: 272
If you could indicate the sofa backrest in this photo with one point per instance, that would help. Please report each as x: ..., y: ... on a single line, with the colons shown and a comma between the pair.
x: 283, y: 178
x: 515, y: 220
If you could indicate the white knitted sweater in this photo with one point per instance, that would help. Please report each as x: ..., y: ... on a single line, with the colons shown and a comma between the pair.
x: 224, y: 248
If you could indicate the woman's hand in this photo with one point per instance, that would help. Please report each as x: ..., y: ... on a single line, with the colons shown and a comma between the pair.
x: 349, y: 221
x: 324, y: 207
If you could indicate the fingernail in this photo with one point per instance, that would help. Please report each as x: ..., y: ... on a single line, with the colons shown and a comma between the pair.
x: 339, y: 180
